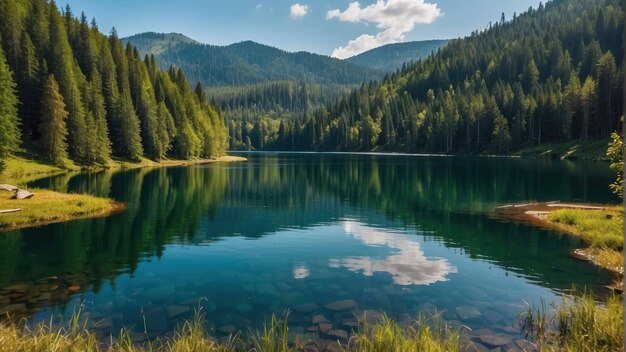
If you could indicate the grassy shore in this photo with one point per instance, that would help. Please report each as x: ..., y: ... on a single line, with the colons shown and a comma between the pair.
x: 572, y: 150
x: 23, y: 169
x: 579, y: 323
x: 48, y: 207
x: 600, y: 229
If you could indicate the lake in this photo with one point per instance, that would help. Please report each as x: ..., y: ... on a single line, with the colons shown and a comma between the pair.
x: 329, y: 234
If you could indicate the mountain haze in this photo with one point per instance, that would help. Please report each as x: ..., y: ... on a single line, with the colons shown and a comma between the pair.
x: 391, y: 57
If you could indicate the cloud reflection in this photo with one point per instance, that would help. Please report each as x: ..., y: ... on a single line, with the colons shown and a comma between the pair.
x: 300, y: 272
x: 409, y: 266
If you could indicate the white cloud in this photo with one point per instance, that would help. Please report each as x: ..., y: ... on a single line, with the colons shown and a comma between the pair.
x: 395, y: 18
x: 259, y: 7
x: 299, y: 11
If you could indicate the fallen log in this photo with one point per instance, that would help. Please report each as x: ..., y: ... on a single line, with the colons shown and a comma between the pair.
x: 8, y: 188
x: 10, y: 211
x: 18, y: 193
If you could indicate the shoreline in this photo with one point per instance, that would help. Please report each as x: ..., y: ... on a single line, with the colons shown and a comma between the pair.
x: 48, y: 207
x: 537, y: 214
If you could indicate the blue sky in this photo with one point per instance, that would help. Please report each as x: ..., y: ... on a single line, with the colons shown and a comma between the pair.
x: 329, y: 27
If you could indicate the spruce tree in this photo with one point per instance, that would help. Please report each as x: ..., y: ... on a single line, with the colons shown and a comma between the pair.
x: 53, y: 127
x: 9, y: 129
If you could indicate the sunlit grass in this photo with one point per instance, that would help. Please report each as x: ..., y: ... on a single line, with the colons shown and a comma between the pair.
x: 426, y: 335
x: 579, y: 324
x: 48, y: 206
x: 19, y: 170
x: 598, y: 228
x: 601, y: 230
x: 573, y: 150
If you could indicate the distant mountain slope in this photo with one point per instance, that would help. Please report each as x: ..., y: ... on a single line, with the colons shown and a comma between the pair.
x: 247, y: 62
x: 390, y: 57
x: 157, y: 43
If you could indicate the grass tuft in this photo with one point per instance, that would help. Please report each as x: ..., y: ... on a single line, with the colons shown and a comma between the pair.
x: 579, y: 323
x: 426, y: 334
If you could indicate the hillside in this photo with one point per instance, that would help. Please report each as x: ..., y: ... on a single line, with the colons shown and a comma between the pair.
x: 72, y: 95
x: 247, y: 62
x: 391, y: 57
x: 551, y: 74
x: 157, y: 43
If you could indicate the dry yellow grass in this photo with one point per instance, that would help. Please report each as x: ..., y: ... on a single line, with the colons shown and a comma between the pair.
x: 47, y: 207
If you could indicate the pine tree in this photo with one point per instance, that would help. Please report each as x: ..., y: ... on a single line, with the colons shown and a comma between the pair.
x: 66, y: 73
x: 9, y: 128
x: 53, y: 127
x: 97, y: 109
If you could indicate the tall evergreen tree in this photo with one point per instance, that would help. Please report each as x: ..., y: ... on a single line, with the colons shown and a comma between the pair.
x: 9, y: 128
x: 53, y: 127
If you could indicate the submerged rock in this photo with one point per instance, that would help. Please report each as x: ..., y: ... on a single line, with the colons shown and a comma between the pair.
x: 340, y: 334
x: 19, y: 288
x: 174, y: 311
x: 467, y: 312
x: 346, y: 304
x: 495, y: 339
x: 325, y: 327
x: 306, y: 307
x: 11, y: 308
x: 227, y: 329
x: 319, y: 318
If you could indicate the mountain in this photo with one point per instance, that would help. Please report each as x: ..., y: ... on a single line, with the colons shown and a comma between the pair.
x: 157, y: 43
x: 391, y: 57
x: 247, y: 62
x: 551, y: 74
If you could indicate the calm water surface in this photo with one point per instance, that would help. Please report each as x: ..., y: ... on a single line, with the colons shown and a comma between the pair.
x: 394, y: 234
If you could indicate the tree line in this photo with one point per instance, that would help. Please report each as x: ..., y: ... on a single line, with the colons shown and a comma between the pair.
x: 551, y: 74
x: 70, y: 93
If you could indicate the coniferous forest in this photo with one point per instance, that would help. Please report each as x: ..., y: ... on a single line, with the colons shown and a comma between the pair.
x: 68, y: 92
x: 551, y: 74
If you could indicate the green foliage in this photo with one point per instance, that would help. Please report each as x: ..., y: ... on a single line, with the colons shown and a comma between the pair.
x: 598, y: 228
x: 114, y: 101
x: 425, y: 335
x: 53, y: 127
x: 9, y: 128
x: 615, y: 153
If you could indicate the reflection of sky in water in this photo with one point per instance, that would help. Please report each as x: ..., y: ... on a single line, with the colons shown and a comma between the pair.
x: 300, y: 272
x: 408, y: 267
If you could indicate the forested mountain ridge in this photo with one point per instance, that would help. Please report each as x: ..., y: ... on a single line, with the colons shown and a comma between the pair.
x: 392, y: 57
x: 550, y: 74
x: 248, y: 63
x: 69, y: 91
x: 149, y: 43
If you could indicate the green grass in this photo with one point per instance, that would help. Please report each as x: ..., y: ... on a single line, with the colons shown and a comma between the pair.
x: 21, y: 170
x: 191, y: 337
x: 424, y: 335
x: 601, y: 230
x: 579, y: 324
x: 47, y: 206
x: 597, y: 228
x: 571, y: 150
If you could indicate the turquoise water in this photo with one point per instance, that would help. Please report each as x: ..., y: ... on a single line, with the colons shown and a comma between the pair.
x: 394, y: 234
